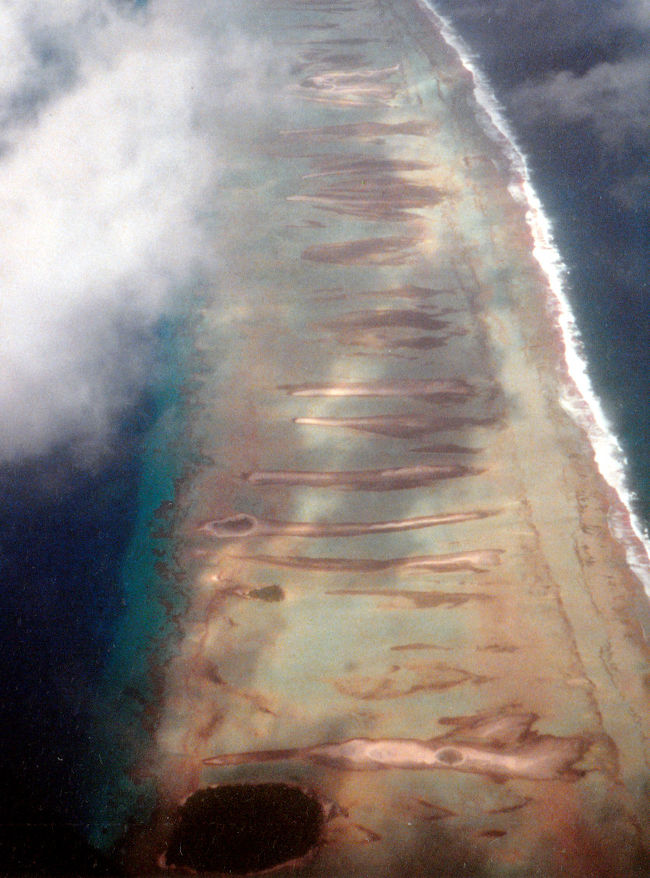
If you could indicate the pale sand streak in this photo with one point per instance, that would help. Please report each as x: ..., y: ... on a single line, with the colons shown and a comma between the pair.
x: 392, y: 479
x: 396, y: 426
x: 242, y: 525
x: 413, y: 388
x: 499, y: 749
x: 477, y: 561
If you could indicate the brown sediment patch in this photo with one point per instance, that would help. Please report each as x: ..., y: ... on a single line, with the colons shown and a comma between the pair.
x: 324, y: 25
x: 206, y: 669
x: 428, y: 342
x: 398, y: 426
x: 362, y: 130
x: 500, y: 727
x: 392, y: 250
x: 419, y: 600
x: 209, y: 671
x: 476, y: 560
x: 352, y: 87
x: 411, y: 292
x: 395, y: 479
x: 438, y: 813
x: 446, y: 449
x: 267, y: 593
x: 270, y: 594
x: 206, y: 729
x: 385, y: 202
x: 416, y: 803
x: 414, y: 388
x: 387, y: 342
x: 164, y: 509
x: 510, y: 750
x: 341, y: 41
x: 241, y: 525
x: 378, y: 197
x: 407, y: 680
x: 244, y: 828
x: 385, y: 318
x: 313, y: 58
x: 351, y: 96
x: 328, y: 166
x: 420, y: 297
x: 516, y: 806
x: 367, y: 835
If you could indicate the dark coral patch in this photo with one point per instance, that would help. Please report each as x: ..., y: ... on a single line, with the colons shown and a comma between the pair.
x: 268, y: 593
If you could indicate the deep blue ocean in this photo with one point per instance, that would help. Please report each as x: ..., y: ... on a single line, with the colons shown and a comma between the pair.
x: 81, y: 554
x: 590, y: 167
x: 85, y: 558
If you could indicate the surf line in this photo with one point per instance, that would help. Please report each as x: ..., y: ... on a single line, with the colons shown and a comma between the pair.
x: 578, y: 397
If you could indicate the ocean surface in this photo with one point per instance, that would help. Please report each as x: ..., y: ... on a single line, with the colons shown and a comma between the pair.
x: 86, y: 564
x: 589, y: 170
x: 82, y: 554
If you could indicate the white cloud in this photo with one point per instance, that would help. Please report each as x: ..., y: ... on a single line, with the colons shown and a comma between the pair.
x: 613, y: 97
x: 102, y: 182
x: 635, y: 14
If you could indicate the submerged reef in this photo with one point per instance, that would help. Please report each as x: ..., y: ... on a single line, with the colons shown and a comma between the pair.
x: 410, y: 644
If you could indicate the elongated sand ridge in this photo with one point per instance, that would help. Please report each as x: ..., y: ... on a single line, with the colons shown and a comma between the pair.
x: 425, y: 667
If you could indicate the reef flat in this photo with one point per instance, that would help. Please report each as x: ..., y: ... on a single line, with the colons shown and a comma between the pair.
x: 411, y: 642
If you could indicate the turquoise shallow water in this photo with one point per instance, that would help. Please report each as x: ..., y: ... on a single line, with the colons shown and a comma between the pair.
x: 87, y: 566
x: 144, y: 635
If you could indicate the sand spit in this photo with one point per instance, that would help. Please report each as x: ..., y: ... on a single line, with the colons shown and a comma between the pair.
x: 242, y: 526
x: 476, y: 561
x: 398, y: 426
x: 350, y: 88
x: 499, y: 749
x: 385, y: 317
x: 418, y: 600
x: 443, y: 666
x: 413, y: 388
x: 395, y: 479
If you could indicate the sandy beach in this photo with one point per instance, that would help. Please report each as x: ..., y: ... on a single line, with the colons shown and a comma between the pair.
x: 403, y: 598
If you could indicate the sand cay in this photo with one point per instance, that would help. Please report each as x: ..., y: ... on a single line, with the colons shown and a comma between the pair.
x: 391, y: 663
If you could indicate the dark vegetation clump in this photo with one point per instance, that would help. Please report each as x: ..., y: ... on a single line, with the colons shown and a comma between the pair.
x: 270, y: 593
x: 243, y: 828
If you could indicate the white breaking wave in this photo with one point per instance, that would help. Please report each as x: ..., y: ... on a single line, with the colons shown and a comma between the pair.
x: 578, y: 396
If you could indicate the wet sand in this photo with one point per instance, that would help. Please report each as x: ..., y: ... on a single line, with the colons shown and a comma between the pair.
x: 450, y: 660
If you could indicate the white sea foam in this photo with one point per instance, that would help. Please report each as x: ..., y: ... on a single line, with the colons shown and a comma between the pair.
x: 578, y: 396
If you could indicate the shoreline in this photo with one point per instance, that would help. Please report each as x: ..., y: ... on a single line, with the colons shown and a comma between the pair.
x: 578, y: 396
x: 290, y: 648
